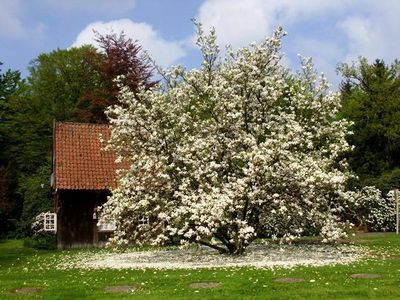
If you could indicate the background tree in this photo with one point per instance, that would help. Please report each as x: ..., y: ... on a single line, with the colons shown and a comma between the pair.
x: 371, y: 99
x: 36, y: 192
x: 121, y: 56
x: 51, y: 92
x: 73, y: 84
x: 237, y: 149
x: 9, y: 82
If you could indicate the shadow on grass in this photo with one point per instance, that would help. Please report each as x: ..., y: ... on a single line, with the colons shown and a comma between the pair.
x: 12, y: 253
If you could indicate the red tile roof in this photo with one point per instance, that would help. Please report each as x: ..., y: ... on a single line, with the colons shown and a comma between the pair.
x: 79, y: 161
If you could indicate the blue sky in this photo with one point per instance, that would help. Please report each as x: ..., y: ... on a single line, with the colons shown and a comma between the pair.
x: 329, y: 31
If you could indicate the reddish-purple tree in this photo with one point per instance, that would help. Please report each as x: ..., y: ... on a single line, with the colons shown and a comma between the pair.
x: 122, y: 56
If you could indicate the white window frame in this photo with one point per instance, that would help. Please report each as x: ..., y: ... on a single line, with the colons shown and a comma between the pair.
x: 106, y: 227
x: 143, y: 221
x: 50, y: 222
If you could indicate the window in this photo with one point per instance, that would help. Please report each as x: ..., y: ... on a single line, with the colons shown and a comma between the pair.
x: 106, y: 227
x: 143, y: 220
x: 50, y: 222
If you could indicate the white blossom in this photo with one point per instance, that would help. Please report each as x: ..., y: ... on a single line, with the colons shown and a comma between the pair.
x: 237, y: 149
x: 368, y: 208
x: 37, y: 226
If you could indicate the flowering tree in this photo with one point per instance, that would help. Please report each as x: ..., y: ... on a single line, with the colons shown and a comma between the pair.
x: 38, y: 225
x: 369, y: 209
x: 236, y: 149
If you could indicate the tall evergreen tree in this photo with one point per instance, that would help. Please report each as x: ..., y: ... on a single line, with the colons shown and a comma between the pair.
x: 371, y: 99
x: 9, y: 82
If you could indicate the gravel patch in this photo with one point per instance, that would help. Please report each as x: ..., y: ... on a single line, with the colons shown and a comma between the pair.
x: 257, y: 256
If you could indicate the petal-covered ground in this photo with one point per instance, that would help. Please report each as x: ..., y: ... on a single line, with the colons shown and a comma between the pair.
x: 258, y: 256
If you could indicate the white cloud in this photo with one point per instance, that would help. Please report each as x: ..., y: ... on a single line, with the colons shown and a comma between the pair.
x: 10, y: 25
x: 300, y: 10
x: 373, y: 31
x: 106, y: 6
x: 236, y: 22
x: 164, y: 52
x: 329, y: 31
x: 362, y: 37
x: 240, y: 22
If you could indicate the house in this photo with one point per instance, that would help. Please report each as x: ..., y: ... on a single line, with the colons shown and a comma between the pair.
x: 83, y: 175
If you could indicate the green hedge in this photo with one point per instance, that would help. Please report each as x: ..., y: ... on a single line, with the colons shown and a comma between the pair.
x: 41, y: 242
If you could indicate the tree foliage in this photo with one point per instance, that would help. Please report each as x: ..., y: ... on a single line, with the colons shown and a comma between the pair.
x: 236, y: 149
x: 9, y: 83
x: 368, y: 209
x: 36, y: 192
x: 74, y: 84
x: 371, y: 99
x: 121, y: 57
x: 52, y: 91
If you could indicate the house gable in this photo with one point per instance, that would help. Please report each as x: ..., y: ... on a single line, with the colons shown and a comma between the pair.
x: 80, y: 163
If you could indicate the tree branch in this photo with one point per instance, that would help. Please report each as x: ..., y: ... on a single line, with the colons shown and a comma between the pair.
x: 218, y: 248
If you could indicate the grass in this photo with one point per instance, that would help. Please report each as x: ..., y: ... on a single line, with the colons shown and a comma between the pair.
x: 24, y: 267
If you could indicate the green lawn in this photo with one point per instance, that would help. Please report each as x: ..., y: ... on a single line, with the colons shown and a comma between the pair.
x: 21, y: 267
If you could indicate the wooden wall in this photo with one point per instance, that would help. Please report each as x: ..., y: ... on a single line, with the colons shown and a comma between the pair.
x: 76, y: 227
